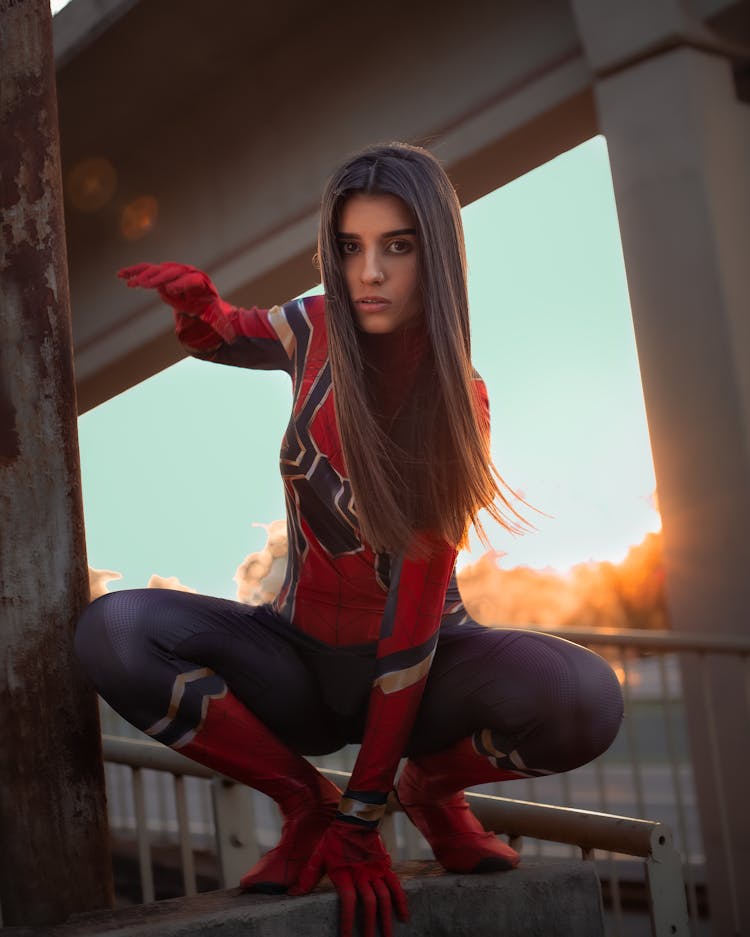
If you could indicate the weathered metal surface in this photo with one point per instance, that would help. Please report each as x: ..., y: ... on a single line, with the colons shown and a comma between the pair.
x: 54, y: 856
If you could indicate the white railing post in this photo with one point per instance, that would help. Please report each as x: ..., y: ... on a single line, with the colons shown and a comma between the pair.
x: 144, y: 845
x: 666, y: 889
x: 183, y: 830
x: 234, y: 818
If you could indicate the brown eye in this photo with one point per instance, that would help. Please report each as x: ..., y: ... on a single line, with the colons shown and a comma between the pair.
x: 400, y: 247
x: 346, y: 248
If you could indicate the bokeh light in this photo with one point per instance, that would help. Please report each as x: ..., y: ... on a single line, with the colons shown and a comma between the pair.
x: 91, y: 184
x: 138, y: 217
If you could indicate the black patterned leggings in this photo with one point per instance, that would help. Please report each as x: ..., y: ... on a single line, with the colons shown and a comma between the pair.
x: 155, y: 655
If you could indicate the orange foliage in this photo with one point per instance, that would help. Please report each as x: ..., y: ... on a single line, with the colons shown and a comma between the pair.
x: 592, y: 595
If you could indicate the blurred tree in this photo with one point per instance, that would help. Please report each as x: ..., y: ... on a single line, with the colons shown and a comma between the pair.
x: 592, y: 595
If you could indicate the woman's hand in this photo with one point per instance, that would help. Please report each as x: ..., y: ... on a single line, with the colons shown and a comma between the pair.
x: 185, y: 288
x: 355, y: 860
x: 191, y: 294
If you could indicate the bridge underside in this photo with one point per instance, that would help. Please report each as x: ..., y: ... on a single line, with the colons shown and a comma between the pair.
x: 230, y: 119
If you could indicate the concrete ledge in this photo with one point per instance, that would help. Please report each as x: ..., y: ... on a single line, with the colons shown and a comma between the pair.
x: 550, y: 899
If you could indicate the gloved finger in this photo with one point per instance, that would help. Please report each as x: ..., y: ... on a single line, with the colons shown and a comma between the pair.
x: 126, y: 273
x: 385, y: 906
x: 347, y: 901
x: 367, y: 900
x: 150, y: 277
x: 397, y: 895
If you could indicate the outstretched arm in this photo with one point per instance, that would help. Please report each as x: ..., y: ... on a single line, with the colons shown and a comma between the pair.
x: 208, y: 326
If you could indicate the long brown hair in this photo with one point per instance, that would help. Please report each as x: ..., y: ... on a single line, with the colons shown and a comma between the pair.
x: 440, y: 474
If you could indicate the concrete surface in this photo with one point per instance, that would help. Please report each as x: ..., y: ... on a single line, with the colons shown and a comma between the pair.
x: 537, y: 900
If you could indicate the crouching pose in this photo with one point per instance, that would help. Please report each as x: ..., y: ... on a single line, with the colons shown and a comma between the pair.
x: 385, y: 464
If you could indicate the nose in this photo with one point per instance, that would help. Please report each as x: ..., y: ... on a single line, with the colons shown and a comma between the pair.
x: 371, y: 268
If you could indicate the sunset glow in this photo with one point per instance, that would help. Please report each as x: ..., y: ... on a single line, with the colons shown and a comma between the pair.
x: 592, y: 595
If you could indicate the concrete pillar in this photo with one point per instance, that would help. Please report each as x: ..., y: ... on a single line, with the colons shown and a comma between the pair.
x: 54, y: 857
x: 679, y: 146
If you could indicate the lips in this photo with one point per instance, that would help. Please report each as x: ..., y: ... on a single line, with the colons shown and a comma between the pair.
x: 372, y: 304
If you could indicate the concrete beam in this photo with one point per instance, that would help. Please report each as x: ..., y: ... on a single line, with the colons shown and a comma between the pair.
x: 81, y: 22
x: 617, y: 35
x: 535, y: 900
x: 230, y: 120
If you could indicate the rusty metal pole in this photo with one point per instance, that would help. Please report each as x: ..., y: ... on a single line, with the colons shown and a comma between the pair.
x: 54, y: 851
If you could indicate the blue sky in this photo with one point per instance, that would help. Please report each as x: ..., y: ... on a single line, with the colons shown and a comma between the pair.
x: 177, y: 469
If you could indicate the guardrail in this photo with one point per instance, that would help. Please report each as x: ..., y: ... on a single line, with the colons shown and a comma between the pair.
x: 664, y: 648
x: 586, y: 830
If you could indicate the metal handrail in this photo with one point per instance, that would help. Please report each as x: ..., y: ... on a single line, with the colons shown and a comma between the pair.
x: 643, y: 639
x: 586, y: 829
x: 140, y: 753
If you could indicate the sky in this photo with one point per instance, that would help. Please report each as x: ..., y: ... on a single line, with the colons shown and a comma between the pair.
x: 178, y: 470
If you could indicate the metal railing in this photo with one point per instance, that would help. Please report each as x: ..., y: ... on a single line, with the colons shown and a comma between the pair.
x: 658, y: 656
x: 647, y: 772
x: 586, y: 830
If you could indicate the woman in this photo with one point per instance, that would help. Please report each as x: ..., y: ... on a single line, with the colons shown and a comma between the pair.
x: 385, y: 464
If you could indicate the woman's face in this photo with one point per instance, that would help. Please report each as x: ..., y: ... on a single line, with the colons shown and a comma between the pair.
x: 380, y: 260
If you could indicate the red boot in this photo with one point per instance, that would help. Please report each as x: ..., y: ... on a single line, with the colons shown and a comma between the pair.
x: 430, y: 790
x: 232, y: 741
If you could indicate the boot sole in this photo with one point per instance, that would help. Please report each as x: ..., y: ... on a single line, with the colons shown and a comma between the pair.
x: 493, y: 864
x: 266, y: 888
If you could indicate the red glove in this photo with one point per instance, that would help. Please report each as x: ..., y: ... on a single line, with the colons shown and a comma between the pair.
x: 201, y: 315
x: 358, y: 865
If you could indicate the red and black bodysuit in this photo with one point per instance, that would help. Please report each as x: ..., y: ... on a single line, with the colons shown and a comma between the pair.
x: 357, y: 646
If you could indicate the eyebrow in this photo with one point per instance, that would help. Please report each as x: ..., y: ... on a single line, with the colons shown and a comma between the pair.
x: 387, y: 234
